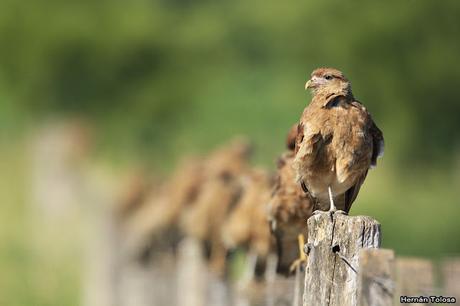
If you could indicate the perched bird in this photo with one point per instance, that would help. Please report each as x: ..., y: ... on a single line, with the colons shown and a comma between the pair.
x: 154, y: 224
x: 337, y: 142
x: 247, y: 224
x: 247, y: 228
x: 219, y: 193
x: 288, y: 210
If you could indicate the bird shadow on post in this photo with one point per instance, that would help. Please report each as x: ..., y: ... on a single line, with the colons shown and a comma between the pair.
x: 333, y: 249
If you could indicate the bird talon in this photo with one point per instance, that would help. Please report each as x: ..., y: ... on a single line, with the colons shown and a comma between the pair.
x: 301, y: 261
x: 317, y: 212
x: 298, y: 263
x: 337, y: 211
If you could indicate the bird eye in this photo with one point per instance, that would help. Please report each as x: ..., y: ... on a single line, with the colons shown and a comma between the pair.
x: 328, y: 77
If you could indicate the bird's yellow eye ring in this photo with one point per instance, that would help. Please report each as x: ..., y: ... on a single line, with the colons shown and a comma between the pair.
x: 328, y: 77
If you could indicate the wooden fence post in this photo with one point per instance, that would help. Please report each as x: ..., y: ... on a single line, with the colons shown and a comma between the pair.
x: 191, y: 274
x: 376, y: 283
x: 333, y: 247
x: 451, y: 277
x: 414, y: 277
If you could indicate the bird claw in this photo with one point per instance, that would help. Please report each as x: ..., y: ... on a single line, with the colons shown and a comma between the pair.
x: 337, y: 211
x: 330, y: 212
x: 302, y: 260
x: 317, y: 212
x: 297, y: 264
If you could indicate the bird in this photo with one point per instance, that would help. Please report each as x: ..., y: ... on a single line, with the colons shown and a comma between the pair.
x: 247, y: 225
x: 288, y: 210
x: 219, y: 193
x: 337, y: 142
x: 154, y: 223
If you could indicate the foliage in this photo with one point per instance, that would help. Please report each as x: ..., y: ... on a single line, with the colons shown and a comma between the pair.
x: 150, y: 70
x: 161, y: 78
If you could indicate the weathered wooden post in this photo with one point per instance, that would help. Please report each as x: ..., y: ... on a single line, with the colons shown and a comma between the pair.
x: 376, y: 283
x: 191, y: 274
x: 333, y: 247
x: 451, y: 277
x: 414, y: 277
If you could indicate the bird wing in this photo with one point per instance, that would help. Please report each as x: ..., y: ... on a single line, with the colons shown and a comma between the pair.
x: 378, y: 143
x: 291, y: 137
x: 352, y: 193
x: 309, y: 144
x: 376, y: 134
x: 377, y: 151
x: 308, y: 139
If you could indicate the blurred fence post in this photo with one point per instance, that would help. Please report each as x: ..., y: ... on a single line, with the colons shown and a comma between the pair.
x: 334, y: 245
x: 376, y: 282
x: 136, y: 283
x: 451, y: 277
x: 414, y: 277
x: 191, y: 273
x: 102, y: 262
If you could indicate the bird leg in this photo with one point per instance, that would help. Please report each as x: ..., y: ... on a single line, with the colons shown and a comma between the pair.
x: 332, y: 208
x: 302, y: 257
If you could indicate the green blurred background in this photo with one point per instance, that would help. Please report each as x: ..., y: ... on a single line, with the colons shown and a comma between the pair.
x: 156, y: 80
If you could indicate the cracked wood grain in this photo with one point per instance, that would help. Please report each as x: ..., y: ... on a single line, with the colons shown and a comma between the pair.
x: 334, y: 244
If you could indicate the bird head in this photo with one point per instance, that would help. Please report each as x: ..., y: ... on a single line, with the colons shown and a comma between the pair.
x: 328, y: 80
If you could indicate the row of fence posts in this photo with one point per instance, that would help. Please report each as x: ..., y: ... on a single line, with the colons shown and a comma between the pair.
x: 345, y: 267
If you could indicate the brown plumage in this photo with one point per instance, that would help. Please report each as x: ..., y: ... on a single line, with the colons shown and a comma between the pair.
x: 291, y: 137
x: 218, y: 195
x: 289, y: 209
x: 155, y: 221
x: 247, y: 225
x: 337, y: 141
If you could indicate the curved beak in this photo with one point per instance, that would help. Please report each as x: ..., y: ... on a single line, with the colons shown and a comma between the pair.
x: 308, y: 85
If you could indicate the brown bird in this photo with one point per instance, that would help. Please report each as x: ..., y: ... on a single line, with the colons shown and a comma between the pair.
x: 247, y: 225
x: 288, y: 211
x: 247, y: 228
x: 218, y: 194
x: 154, y: 224
x: 337, y: 142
